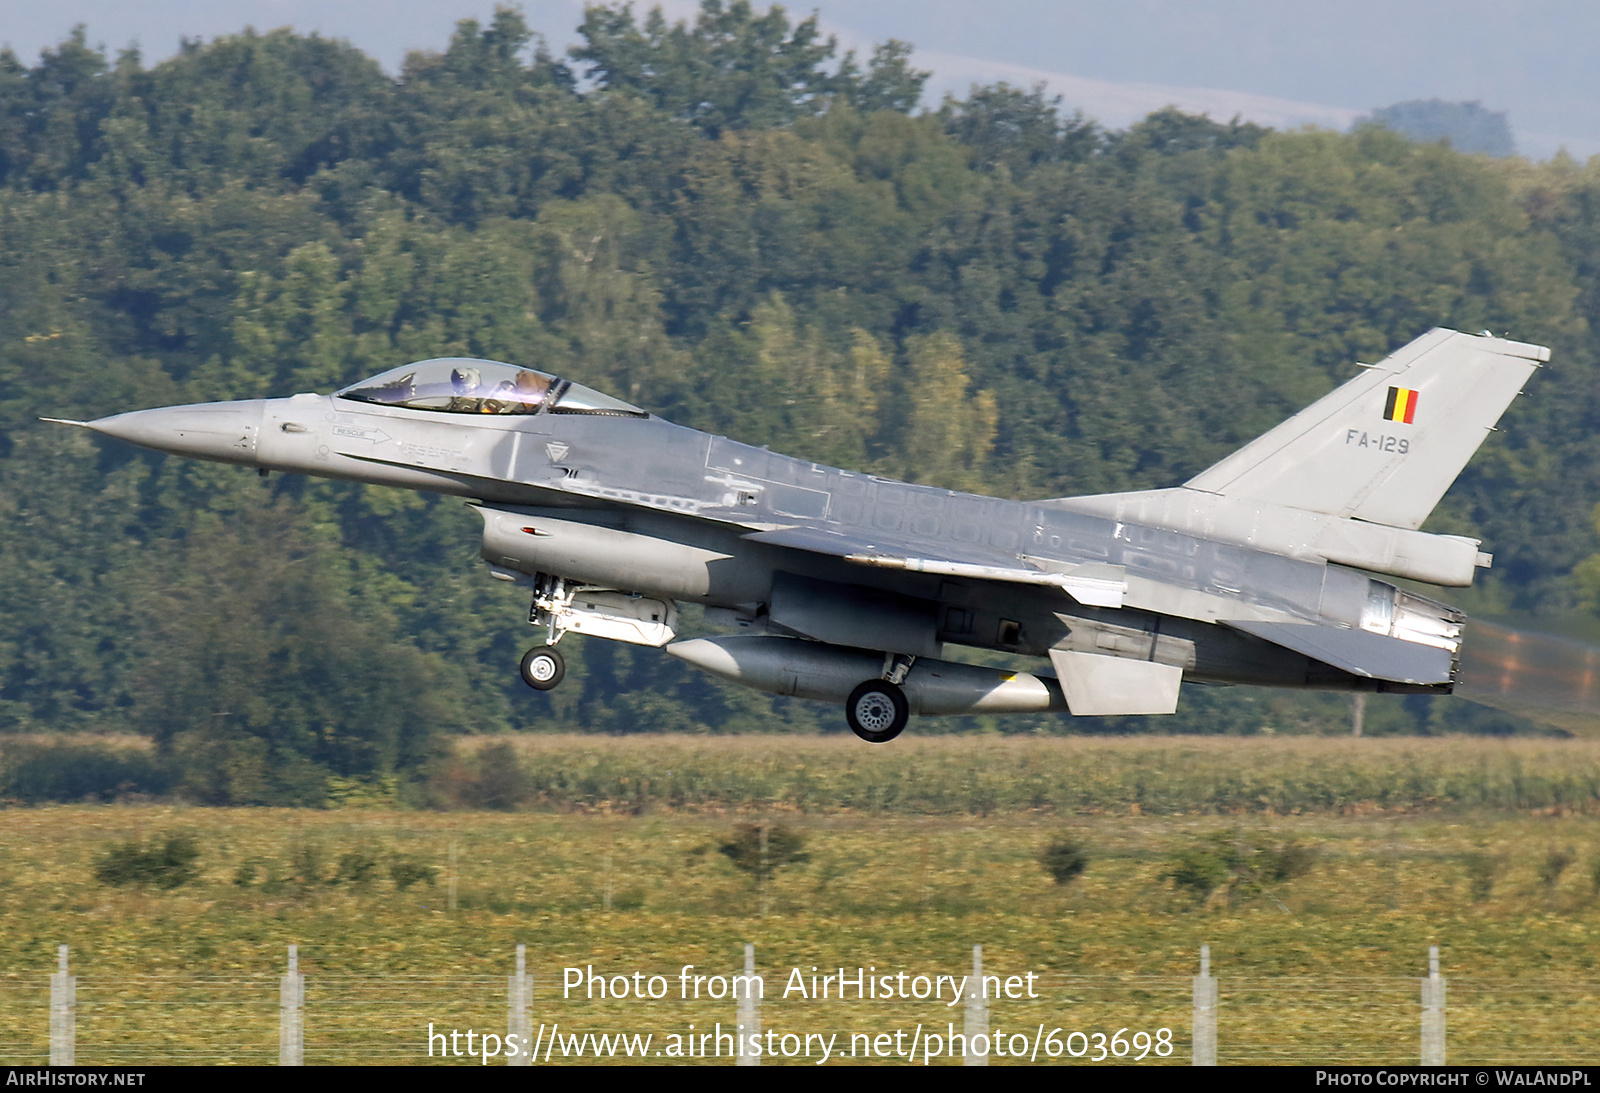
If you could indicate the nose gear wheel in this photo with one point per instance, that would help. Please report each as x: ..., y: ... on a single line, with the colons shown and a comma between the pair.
x: 543, y: 667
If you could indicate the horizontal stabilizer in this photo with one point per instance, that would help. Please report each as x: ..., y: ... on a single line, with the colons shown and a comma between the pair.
x: 1359, y: 652
x: 1385, y: 446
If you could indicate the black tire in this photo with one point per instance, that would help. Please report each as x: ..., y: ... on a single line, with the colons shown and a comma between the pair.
x: 877, y: 711
x: 543, y: 668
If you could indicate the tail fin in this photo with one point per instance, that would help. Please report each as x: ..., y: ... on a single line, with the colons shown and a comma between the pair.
x: 1384, y: 447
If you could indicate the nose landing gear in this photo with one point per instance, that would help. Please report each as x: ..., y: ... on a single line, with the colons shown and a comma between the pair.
x: 543, y: 667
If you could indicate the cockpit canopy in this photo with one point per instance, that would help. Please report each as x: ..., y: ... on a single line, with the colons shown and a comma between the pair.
x: 465, y: 385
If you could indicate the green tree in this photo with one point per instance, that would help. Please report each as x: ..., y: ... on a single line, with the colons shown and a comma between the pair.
x: 1004, y: 125
x: 949, y: 431
x: 993, y: 296
x: 733, y: 69
x: 597, y: 294
x: 270, y: 678
x: 890, y: 83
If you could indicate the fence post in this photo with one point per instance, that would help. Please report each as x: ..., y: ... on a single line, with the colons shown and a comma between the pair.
x: 450, y: 881
x: 291, y: 1018
x: 63, y: 1014
x: 1433, y: 1012
x: 749, y: 1016
x: 1205, y: 1012
x: 519, y: 999
x: 977, y: 1016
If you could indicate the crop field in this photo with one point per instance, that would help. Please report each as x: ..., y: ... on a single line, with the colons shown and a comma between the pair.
x: 1318, y: 871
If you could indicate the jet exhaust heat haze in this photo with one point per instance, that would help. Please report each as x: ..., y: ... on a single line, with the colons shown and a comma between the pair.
x: 846, y: 587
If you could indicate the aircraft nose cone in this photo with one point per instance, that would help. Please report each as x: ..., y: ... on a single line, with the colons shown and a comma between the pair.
x: 223, y: 431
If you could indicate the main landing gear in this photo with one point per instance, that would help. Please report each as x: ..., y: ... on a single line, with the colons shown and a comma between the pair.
x: 877, y: 710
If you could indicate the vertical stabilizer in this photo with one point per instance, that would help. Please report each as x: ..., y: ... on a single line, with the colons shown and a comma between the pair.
x: 1384, y: 447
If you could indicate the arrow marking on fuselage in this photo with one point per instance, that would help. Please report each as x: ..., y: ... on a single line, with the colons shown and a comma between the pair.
x: 356, y: 432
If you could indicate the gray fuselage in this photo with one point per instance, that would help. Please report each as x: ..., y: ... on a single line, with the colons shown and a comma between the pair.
x: 635, y: 503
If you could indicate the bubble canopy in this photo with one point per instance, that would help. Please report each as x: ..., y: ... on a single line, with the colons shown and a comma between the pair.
x: 466, y: 385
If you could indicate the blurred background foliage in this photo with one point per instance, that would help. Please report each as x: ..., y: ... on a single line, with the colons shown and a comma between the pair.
x: 733, y: 225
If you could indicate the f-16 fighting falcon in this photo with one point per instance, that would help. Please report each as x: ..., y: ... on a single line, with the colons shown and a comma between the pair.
x: 846, y: 587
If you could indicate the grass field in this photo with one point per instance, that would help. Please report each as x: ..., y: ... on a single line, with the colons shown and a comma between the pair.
x: 941, y: 855
x: 990, y: 775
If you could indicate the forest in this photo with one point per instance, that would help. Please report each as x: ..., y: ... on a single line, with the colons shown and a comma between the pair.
x: 734, y: 225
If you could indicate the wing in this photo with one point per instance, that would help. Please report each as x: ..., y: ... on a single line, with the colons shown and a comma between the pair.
x: 1093, y: 585
x: 1091, y: 684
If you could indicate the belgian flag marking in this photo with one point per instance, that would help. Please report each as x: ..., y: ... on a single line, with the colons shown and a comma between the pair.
x: 1402, y: 405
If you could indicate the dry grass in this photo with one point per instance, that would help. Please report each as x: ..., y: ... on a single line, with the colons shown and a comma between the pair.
x: 1320, y: 967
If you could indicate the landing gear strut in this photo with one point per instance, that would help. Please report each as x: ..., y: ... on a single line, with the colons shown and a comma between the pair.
x: 543, y: 667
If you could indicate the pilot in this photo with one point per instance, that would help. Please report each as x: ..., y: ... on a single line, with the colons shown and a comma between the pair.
x: 522, y: 395
x: 465, y: 382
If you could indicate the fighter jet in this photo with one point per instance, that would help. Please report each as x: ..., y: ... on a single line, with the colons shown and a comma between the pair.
x: 846, y: 587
